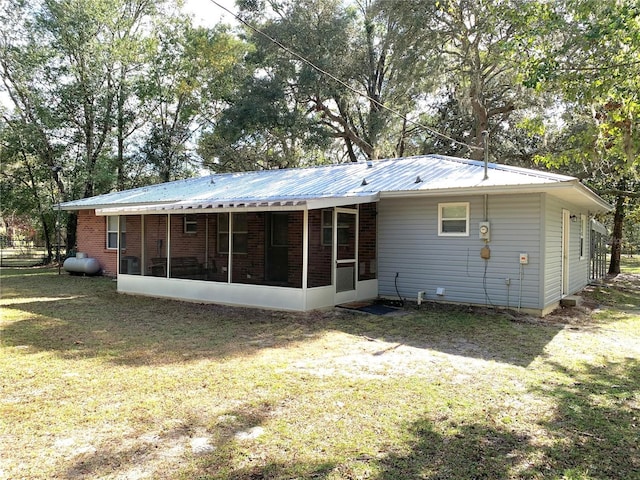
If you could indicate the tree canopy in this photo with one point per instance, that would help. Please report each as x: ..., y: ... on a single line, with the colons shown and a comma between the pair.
x: 110, y: 94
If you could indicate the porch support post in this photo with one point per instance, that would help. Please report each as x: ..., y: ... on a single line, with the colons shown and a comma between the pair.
x: 117, y: 243
x: 168, y: 244
x: 305, y: 247
x: 206, y: 242
x: 230, y: 250
x: 143, y: 249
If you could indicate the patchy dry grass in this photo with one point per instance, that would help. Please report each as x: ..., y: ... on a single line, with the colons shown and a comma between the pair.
x: 100, y: 385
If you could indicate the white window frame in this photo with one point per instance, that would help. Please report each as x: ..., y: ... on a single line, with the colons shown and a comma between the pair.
x: 223, y: 231
x: 190, y: 223
x: 110, y: 231
x: 441, y: 219
x: 583, y: 236
x: 326, y: 222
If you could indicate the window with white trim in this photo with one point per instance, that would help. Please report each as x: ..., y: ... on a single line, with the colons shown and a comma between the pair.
x: 190, y: 223
x: 583, y: 236
x: 112, y: 231
x: 453, y: 219
x: 327, y: 230
x: 240, y: 233
x: 327, y: 227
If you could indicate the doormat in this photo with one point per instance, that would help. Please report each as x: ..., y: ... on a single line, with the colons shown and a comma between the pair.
x: 373, y: 308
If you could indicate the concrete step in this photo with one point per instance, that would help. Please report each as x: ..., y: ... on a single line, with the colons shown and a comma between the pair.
x: 571, y: 301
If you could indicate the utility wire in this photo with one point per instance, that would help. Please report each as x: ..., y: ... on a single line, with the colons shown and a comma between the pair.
x: 344, y: 84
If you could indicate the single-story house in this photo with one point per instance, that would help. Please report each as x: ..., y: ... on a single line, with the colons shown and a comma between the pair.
x: 425, y: 228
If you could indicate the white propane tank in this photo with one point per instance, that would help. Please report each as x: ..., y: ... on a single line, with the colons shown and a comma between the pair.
x: 88, y: 266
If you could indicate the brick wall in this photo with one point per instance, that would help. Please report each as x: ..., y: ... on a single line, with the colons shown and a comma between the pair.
x: 367, y: 269
x: 294, y: 239
x: 133, y: 250
x: 91, y: 237
x: 155, y: 241
x: 319, y: 272
x: 247, y: 268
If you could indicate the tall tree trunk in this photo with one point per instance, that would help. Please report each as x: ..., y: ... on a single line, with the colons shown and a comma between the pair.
x: 616, y: 236
x: 47, y: 237
x: 120, y: 132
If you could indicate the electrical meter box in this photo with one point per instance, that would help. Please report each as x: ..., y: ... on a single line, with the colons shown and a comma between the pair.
x: 484, y: 231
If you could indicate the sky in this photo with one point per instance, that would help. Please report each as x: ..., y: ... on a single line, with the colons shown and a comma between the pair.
x: 206, y: 14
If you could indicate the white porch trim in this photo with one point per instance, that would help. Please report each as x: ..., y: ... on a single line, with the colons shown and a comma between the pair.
x: 239, y: 294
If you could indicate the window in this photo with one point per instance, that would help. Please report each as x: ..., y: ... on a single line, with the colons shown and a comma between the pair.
x: 327, y: 227
x: 279, y: 229
x: 583, y: 236
x: 453, y: 219
x: 327, y: 230
x: 112, y: 232
x: 240, y: 235
x: 190, y: 224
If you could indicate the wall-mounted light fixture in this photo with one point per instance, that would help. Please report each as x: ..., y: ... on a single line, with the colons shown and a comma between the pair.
x: 574, y: 218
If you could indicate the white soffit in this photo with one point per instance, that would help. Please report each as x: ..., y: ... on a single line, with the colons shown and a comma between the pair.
x: 240, y: 206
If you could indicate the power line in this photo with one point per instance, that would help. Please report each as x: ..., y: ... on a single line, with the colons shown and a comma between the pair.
x: 341, y: 82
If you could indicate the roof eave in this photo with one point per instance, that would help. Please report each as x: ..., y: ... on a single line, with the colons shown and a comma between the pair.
x: 69, y: 207
x: 239, y: 205
x: 568, y: 190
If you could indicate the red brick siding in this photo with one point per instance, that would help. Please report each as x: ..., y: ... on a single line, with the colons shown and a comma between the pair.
x: 249, y: 267
x: 217, y: 262
x: 294, y: 238
x: 367, y: 248
x: 319, y: 272
x: 188, y: 244
x: 92, y: 239
x: 133, y: 239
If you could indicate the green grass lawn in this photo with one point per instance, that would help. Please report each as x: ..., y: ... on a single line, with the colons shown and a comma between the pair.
x: 630, y: 264
x: 94, y: 384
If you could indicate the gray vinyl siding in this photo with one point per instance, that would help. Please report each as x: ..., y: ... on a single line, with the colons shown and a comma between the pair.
x: 578, y: 267
x: 409, y: 245
x: 552, y: 239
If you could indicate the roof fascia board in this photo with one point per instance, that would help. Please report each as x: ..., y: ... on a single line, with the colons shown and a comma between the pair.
x: 273, y: 205
x: 173, y: 210
x: 329, y: 202
x: 100, y: 206
x: 571, y: 186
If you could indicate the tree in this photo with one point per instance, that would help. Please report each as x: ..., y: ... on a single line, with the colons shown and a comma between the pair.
x: 348, y: 72
x: 26, y: 187
x: 594, y: 61
x: 58, y: 63
x: 191, y: 72
x: 481, y: 46
x: 73, y: 70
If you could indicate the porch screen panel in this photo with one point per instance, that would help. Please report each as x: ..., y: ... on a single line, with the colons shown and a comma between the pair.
x: 131, y: 254
x: 155, y: 245
x: 346, y: 267
x: 188, y: 246
x: 248, y: 245
x: 320, y: 249
x: 216, y: 262
x: 367, y: 246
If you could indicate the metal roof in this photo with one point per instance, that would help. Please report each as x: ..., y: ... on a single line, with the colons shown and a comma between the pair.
x: 342, y: 184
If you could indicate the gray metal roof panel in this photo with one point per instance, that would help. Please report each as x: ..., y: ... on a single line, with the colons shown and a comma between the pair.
x: 434, y: 172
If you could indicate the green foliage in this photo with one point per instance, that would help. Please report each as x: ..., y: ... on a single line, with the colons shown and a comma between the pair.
x: 191, y: 73
x: 120, y: 93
